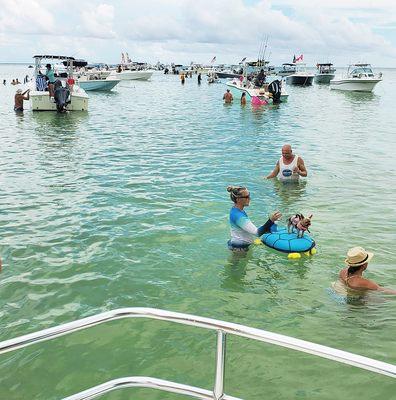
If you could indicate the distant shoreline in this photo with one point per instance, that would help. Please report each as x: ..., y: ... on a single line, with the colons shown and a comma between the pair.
x: 308, y: 66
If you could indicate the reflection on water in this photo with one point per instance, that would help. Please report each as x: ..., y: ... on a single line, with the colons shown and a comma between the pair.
x: 289, y: 192
x: 356, y: 97
x: 235, y: 269
x: 54, y: 122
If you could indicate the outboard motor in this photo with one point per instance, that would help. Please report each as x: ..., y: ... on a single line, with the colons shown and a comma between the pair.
x: 61, y: 96
x: 275, y: 89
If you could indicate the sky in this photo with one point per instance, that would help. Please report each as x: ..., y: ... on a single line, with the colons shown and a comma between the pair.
x: 185, y: 31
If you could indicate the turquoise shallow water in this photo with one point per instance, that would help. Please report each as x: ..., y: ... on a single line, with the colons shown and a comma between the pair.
x: 126, y: 206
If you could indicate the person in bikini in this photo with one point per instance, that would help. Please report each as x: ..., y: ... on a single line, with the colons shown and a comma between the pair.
x: 352, y: 276
x: 289, y: 167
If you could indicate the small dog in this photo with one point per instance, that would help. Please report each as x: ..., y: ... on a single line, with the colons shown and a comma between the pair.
x: 300, y: 223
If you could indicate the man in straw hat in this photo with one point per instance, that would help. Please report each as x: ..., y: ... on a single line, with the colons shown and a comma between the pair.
x: 352, y: 276
x: 19, y: 97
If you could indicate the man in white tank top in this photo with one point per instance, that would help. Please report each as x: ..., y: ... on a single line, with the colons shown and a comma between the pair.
x: 289, y: 167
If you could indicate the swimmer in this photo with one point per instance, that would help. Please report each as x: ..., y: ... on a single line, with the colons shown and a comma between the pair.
x: 243, y: 231
x: 352, y: 276
x: 243, y: 99
x: 289, y: 167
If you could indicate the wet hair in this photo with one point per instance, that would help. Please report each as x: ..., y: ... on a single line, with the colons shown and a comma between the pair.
x: 352, y: 270
x: 235, y: 192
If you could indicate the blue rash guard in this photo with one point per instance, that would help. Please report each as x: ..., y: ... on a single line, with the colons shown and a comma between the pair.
x: 243, y: 230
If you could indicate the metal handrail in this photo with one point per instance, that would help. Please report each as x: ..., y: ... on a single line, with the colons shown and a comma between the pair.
x: 222, y: 329
x: 146, y: 382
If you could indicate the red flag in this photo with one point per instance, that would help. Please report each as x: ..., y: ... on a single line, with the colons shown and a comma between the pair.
x: 299, y: 58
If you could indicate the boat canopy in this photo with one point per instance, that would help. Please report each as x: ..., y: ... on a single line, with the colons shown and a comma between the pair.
x: 324, y: 64
x: 360, y: 65
x: 55, y: 57
x: 76, y: 63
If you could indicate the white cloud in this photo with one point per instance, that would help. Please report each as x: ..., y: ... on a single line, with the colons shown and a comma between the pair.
x: 26, y: 17
x: 98, y: 22
x: 185, y: 30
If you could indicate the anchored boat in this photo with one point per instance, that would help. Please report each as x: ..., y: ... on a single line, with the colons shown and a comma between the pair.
x: 74, y: 97
x: 301, y: 76
x: 359, y: 78
x: 325, y: 73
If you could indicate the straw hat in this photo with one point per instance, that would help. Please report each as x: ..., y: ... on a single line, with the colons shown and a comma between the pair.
x: 357, y: 256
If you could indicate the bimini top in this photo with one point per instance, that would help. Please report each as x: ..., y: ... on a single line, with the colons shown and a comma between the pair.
x: 361, y: 65
x: 55, y: 57
x: 324, y: 64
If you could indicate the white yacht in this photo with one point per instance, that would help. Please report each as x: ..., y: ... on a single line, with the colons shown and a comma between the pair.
x: 301, y: 76
x: 130, y: 75
x: 92, y: 80
x: 76, y: 98
x: 325, y: 73
x: 359, y: 78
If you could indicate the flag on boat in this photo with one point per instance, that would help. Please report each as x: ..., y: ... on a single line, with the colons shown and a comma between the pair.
x: 294, y: 58
x: 243, y: 60
x: 300, y: 58
x: 213, y: 60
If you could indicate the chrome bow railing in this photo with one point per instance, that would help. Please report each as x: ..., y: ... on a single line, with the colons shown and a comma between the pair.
x: 222, y: 328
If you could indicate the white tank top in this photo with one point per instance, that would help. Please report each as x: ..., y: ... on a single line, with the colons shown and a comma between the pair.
x: 286, y: 171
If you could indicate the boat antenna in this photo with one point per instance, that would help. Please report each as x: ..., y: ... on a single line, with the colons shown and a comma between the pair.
x: 265, y: 49
x: 260, y: 50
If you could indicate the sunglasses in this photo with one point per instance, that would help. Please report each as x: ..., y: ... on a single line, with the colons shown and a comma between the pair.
x: 244, y: 197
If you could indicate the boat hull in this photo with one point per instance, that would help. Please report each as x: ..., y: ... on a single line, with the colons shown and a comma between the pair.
x: 323, y: 78
x: 132, y: 75
x: 237, y: 91
x: 299, y: 80
x: 98, y: 84
x: 40, y: 101
x: 354, y: 85
x: 225, y: 75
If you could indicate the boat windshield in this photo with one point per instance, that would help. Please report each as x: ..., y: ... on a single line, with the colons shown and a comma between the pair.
x: 359, y: 71
x: 325, y: 69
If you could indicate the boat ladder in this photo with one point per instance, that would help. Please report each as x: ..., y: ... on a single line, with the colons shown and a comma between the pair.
x: 221, y: 328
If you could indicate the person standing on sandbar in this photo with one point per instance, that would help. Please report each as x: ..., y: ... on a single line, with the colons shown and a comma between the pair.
x: 289, y: 167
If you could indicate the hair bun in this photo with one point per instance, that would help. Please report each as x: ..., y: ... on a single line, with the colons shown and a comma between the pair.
x: 230, y: 188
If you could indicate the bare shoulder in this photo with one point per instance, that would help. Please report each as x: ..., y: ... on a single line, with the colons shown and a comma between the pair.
x: 300, y: 160
x: 362, y: 283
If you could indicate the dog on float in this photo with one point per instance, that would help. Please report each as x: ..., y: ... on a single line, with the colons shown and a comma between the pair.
x: 299, y: 223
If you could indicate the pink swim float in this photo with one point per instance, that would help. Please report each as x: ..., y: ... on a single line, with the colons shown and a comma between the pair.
x: 256, y: 101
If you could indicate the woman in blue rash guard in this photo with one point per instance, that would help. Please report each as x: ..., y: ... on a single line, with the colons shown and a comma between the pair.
x: 243, y: 231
